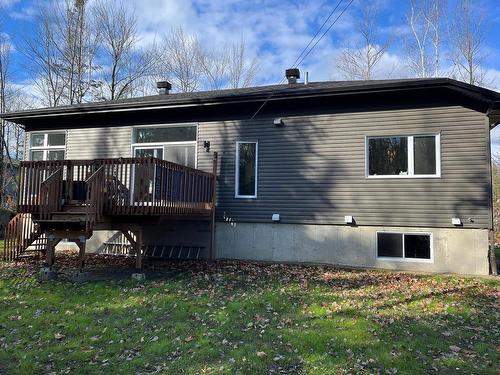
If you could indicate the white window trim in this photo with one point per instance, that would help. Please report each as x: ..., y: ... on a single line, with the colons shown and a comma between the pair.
x: 403, y: 258
x: 411, y: 155
x: 45, y: 148
x: 146, y: 145
x: 237, y: 170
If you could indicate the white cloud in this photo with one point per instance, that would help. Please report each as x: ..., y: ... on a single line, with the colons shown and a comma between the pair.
x: 6, y: 43
x: 24, y: 13
x: 493, y: 78
x: 28, y: 95
x: 275, y: 32
x: 495, y: 141
x: 4, y: 4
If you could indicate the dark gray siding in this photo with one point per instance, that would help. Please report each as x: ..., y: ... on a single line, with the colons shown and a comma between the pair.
x: 312, y: 170
x: 99, y: 143
x: 94, y: 143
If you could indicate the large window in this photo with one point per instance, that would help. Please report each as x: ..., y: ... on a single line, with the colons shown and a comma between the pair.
x: 246, y: 169
x: 173, y: 143
x: 47, y: 146
x: 400, y: 246
x: 408, y: 156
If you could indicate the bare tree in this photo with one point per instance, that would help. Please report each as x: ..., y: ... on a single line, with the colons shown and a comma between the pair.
x: 360, y: 62
x: 228, y: 67
x: 125, y: 61
x: 182, y: 60
x: 418, y: 59
x: 79, y: 50
x: 5, y: 52
x: 467, y: 38
x: 60, y: 52
x: 17, y: 99
x: 214, y: 65
x: 242, y: 69
x: 44, y: 59
x: 7, y: 98
x: 434, y: 17
x: 424, y: 43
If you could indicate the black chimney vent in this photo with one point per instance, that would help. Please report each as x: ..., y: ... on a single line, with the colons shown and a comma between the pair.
x: 163, y: 87
x: 292, y: 75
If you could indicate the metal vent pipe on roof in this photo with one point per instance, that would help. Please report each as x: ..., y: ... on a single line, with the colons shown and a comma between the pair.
x: 164, y: 87
x: 292, y: 75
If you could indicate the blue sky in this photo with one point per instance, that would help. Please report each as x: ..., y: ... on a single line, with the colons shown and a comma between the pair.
x: 275, y: 31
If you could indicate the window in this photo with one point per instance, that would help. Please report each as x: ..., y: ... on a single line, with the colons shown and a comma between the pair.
x: 408, y: 246
x: 47, y: 146
x: 144, y: 152
x: 165, y: 134
x: 173, y: 143
x: 408, y: 156
x: 424, y: 149
x: 246, y: 169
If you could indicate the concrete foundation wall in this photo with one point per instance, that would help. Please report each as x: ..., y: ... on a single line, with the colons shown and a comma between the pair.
x: 457, y: 250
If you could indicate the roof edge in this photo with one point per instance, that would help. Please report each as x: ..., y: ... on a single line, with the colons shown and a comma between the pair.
x: 479, y: 93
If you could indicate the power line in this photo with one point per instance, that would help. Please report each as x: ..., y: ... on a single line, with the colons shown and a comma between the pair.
x: 326, y: 32
x: 317, y: 33
x: 310, y: 50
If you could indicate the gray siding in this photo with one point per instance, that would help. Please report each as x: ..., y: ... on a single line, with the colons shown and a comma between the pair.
x: 94, y: 143
x: 312, y: 170
x: 98, y: 143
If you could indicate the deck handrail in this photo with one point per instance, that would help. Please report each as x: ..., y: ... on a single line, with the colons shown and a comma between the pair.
x: 90, y: 162
x: 94, y: 203
x: 130, y: 186
x: 50, y: 194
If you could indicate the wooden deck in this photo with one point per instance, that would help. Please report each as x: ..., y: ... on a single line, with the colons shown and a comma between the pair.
x: 125, y: 186
x: 70, y: 198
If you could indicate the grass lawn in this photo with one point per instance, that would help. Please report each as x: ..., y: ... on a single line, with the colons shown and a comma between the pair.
x: 250, y: 319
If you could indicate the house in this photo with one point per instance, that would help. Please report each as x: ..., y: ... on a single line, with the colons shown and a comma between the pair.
x: 391, y: 174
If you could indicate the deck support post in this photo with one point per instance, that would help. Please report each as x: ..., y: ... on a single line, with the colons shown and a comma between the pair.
x: 211, y: 252
x: 138, y: 248
x: 50, y: 253
x: 82, y: 241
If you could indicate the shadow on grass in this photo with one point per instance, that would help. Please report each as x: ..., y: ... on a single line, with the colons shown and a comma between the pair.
x: 216, y: 318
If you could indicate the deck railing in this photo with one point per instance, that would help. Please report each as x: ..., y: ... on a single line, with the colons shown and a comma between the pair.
x: 124, y: 186
x: 50, y: 193
x: 96, y: 192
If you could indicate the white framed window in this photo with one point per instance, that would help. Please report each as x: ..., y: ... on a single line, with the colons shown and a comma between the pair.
x: 47, y: 146
x: 246, y: 169
x: 175, y: 143
x: 413, y: 156
x: 405, y: 246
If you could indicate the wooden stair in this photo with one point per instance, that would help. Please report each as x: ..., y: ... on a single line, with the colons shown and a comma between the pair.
x: 22, y: 236
x: 27, y: 233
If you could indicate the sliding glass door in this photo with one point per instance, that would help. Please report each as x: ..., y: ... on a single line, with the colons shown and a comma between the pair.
x: 174, y: 143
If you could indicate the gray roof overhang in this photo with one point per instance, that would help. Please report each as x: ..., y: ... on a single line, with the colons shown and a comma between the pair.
x: 262, y: 94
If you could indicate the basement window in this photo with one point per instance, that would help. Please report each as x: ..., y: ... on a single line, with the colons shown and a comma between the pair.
x: 47, y: 146
x: 403, y: 156
x: 404, y: 246
x: 246, y: 169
